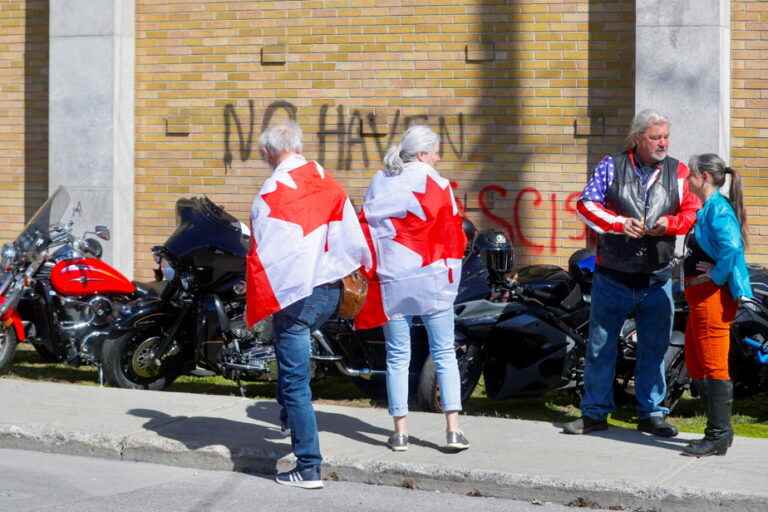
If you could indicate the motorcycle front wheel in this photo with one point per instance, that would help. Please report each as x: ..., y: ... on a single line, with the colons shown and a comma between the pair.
x: 8, y: 343
x: 129, y: 363
x: 470, y: 369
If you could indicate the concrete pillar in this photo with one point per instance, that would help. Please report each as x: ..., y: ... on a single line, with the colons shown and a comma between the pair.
x: 91, y: 132
x: 683, y: 68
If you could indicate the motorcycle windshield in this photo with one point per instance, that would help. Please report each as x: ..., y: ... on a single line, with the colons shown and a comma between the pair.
x: 202, y: 224
x: 36, y: 235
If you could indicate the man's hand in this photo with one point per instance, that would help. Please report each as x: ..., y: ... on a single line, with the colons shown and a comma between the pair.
x: 659, y: 228
x: 634, y: 228
x: 704, y: 266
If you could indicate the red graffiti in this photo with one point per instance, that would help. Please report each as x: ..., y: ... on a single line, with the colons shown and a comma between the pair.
x: 535, y: 248
x: 514, y: 230
x: 570, y: 207
x: 510, y: 230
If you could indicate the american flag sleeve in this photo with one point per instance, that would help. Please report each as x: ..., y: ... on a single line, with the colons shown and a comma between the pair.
x: 591, y: 206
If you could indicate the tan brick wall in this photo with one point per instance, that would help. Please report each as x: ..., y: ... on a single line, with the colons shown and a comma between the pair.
x: 749, y: 116
x: 23, y: 112
x: 508, y: 124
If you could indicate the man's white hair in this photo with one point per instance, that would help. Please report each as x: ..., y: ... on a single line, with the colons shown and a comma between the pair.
x: 285, y: 136
x: 642, y: 121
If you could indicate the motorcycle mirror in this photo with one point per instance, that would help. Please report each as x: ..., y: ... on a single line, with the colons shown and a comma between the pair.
x: 102, y: 232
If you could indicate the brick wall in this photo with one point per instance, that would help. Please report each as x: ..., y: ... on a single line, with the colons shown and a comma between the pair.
x: 527, y: 95
x: 23, y: 112
x: 749, y: 116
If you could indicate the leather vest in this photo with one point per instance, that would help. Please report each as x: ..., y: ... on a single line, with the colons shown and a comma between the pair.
x: 627, y: 197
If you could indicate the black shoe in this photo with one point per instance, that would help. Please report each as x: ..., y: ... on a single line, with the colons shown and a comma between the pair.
x: 657, y: 426
x: 585, y: 425
x: 308, y: 478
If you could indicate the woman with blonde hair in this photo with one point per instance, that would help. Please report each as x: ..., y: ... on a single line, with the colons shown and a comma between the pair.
x: 415, y: 231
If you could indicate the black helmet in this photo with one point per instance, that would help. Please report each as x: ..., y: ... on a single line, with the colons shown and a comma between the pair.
x: 499, y: 257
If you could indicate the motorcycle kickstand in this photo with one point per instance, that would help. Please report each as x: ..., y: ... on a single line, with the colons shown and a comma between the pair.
x: 240, y: 385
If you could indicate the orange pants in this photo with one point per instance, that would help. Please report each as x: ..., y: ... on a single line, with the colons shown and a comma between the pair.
x: 707, y: 334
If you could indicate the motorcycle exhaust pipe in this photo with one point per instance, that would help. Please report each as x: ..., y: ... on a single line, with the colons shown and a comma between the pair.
x: 362, y: 373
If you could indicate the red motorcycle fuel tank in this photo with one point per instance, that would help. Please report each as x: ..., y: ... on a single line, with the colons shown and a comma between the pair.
x: 89, y: 276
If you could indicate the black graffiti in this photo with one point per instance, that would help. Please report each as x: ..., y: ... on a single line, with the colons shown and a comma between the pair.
x: 245, y: 144
x: 346, y: 130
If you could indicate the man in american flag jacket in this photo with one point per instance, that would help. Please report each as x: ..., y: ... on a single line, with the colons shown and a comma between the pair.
x: 637, y: 202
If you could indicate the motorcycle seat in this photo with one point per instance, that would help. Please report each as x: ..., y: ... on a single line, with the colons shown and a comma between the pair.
x: 150, y: 288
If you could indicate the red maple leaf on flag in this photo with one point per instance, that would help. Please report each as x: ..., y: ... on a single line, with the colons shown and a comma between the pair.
x: 316, y: 200
x: 440, y: 235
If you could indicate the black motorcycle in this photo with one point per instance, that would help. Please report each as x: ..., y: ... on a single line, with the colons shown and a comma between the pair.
x: 193, y: 316
x: 529, y: 335
x: 748, y: 356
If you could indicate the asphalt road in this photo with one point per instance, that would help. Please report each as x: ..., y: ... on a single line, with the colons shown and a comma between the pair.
x: 32, y: 481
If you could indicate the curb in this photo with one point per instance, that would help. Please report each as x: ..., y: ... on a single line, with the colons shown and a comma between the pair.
x: 618, y: 495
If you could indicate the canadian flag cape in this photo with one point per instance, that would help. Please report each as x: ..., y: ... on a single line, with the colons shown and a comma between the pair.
x: 304, y: 233
x: 414, y: 228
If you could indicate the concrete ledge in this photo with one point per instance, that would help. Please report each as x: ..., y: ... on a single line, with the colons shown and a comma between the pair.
x: 603, y: 493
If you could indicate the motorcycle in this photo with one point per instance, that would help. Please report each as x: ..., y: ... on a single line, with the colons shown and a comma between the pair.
x: 196, y: 319
x: 56, y: 292
x: 748, y: 355
x: 529, y: 335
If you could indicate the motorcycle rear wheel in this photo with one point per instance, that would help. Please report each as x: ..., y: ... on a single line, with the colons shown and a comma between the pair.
x: 127, y: 365
x: 8, y: 343
x: 676, y: 376
x: 470, y: 369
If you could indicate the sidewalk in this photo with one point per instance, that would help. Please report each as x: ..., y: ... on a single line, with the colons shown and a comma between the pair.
x: 524, y: 460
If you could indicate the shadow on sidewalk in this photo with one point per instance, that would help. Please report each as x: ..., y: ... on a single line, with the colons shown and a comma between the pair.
x: 245, y: 441
x: 630, y: 435
x: 341, y: 424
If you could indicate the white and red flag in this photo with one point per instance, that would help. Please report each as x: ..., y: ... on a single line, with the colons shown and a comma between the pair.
x: 415, y: 231
x: 304, y: 233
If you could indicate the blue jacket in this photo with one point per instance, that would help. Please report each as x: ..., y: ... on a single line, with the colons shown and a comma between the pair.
x: 718, y: 232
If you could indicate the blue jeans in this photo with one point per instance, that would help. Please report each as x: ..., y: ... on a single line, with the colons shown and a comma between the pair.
x: 397, y: 333
x: 612, y: 303
x: 292, y: 328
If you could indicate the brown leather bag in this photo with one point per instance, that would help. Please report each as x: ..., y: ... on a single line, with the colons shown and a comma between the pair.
x: 354, y: 288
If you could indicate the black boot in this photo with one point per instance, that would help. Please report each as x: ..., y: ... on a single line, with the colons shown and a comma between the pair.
x: 701, y: 386
x: 718, y: 434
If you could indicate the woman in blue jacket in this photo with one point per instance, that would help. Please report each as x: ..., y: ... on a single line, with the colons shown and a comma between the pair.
x: 716, y: 279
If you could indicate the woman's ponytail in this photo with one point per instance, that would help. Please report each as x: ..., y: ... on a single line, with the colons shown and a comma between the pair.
x: 736, y: 196
x: 393, y: 162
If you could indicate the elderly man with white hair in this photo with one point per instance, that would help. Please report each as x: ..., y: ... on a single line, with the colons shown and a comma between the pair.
x: 306, y: 238
x: 637, y: 202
